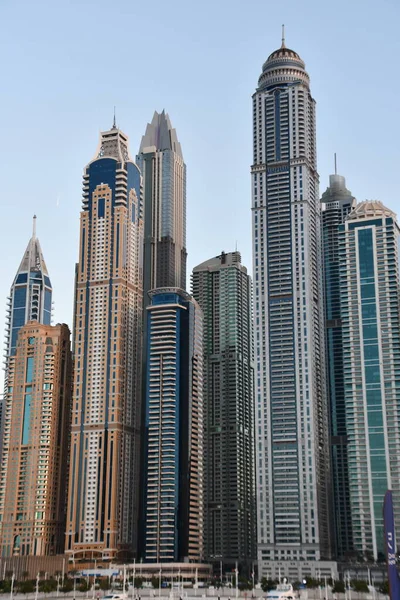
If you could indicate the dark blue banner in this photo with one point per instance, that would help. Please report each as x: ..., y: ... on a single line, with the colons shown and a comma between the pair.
x: 390, y: 547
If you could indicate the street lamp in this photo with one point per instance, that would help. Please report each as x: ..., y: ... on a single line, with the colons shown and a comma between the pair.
x: 37, y: 587
x: 12, y: 585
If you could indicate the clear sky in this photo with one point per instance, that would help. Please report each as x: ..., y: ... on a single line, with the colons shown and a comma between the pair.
x: 65, y: 64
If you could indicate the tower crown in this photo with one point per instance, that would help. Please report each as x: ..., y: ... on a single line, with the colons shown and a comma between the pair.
x: 370, y: 209
x: 283, y: 66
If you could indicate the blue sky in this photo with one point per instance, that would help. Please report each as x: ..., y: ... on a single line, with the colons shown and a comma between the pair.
x: 64, y: 65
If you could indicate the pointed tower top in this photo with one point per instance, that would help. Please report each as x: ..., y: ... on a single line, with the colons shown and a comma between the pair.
x: 114, y: 121
x: 160, y: 135
x: 283, y: 37
x: 335, y: 165
x: 33, y: 257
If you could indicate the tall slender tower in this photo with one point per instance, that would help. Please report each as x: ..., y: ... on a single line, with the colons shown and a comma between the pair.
x: 104, y: 466
x: 291, y: 409
x: 370, y: 312
x: 173, y: 485
x: 30, y: 299
x: 164, y: 176
x: 30, y: 294
x: 34, y: 468
x: 337, y: 202
x: 222, y: 287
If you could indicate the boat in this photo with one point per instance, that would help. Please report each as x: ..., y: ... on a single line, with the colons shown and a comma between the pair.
x: 283, y: 591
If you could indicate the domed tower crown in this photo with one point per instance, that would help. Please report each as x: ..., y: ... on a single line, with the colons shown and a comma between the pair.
x: 283, y: 66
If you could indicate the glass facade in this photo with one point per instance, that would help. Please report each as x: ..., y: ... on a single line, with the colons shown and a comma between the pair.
x: 173, y: 489
x: 337, y: 202
x: 292, y: 449
x: 369, y: 279
x: 223, y: 290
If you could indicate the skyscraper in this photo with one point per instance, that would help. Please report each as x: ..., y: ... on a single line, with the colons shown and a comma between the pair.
x: 222, y: 288
x: 106, y: 412
x: 30, y: 294
x: 292, y: 442
x: 34, y: 468
x: 370, y: 313
x: 337, y: 203
x: 173, y: 483
x: 164, y: 177
x: 30, y: 300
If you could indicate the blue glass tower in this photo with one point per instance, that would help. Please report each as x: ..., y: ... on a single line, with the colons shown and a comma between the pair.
x: 370, y: 313
x: 31, y: 294
x: 174, y: 429
x: 337, y: 203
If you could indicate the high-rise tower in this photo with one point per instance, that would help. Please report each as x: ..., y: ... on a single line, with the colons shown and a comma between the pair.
x: 370, y: 313
x: 30, y: 299
x: 291, y: 410
x: 164, y: 178
x: 34, y: 467
x: 104, y: 466
x: 30, y: 294
x: 222, y: 288
x: 173, y: 483
x: 337, y: 203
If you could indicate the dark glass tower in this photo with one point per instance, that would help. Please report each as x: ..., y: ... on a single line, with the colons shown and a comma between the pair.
x: 222, y: 287
x: 173, y: 483
x: 337, y: 203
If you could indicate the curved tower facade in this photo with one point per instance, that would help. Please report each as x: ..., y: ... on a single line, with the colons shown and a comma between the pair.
x: 369, y: 241
x: 104, y: 464
x: 337, y: 201
x: 291, y: 410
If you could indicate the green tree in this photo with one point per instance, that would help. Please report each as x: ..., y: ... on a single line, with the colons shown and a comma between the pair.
x: 104, y: 584
x: 359, y: 586
x: 48, y: 585
x: 338, y: 587
x: 267, y: 584
x: 83, y: 586
x: 384, y: 588
x: 155, y: 582
x: 68, y: 586
x: 26, y: 587
x: 312, y: 583
x: 138, y: 582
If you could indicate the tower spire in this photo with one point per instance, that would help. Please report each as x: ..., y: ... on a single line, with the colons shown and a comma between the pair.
x: 34, y: 227
x: 114, y: 121
x: 283, y: 37
x: 335, y: 165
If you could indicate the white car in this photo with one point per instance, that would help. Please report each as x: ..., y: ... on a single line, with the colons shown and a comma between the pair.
x: 120, y: 596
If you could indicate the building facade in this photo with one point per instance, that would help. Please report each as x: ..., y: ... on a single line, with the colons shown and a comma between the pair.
x: 30, y: 295
x: 164, y: 178
x: 34, y: 467
x: 223, y: 290
x: 173, y: 483
x: 337, y: 202
x: 370, y: 310
x: 105, y: 439
x: 292, y: 441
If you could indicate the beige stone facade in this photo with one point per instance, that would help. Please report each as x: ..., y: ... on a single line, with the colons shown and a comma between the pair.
x: 33, y: 477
